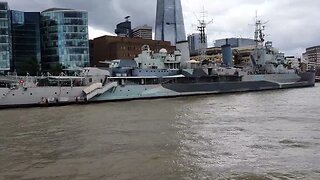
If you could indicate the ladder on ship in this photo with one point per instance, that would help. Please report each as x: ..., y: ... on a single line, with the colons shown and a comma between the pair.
x: 98, y: 89
x: 4, y: 93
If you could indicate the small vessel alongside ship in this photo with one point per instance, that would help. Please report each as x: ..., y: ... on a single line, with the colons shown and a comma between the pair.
x: 157, y: 75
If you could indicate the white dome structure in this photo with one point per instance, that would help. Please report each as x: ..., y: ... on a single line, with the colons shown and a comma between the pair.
x: 163, y: 51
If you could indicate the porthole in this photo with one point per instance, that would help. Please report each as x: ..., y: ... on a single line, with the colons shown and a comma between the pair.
x: 55, y: 93
x: 30, y: 94
x: 12, y: 94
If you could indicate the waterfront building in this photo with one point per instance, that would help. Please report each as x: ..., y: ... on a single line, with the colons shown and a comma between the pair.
x: 144, y: 32
x: 169, y: 21
x: 312, y: 54
x: 64, y: 38
x: 195, y: 44
x: 5, y: 39
x: 26, y: 47
x: 123, y: 29
x: 108, y: 48
x: 235, y: 42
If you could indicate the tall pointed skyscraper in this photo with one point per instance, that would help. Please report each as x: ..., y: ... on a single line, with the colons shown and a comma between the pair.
x: 169, y: 21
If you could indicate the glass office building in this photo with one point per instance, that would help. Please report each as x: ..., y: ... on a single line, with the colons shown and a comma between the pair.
x: 64, y: 38
x: 124, y: 29
x: 195, y: 45
x: 169, y: 21
x: 5, y: 39
x: 25, y: 32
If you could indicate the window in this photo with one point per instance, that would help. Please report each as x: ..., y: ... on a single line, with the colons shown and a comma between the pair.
x: 3, y: 6
x: 73, y: 15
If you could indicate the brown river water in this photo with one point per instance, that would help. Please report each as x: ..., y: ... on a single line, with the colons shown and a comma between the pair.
x: 259, y: 135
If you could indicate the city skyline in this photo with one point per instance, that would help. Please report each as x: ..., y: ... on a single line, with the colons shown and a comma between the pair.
x: 291, y: 25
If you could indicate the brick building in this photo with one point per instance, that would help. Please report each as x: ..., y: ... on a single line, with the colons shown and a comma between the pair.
x: 108, y: 48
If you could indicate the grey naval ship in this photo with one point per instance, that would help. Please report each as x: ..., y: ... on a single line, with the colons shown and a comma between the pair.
x: 157, y: 75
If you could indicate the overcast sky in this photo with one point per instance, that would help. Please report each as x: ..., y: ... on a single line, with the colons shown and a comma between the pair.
x: 292, y: 25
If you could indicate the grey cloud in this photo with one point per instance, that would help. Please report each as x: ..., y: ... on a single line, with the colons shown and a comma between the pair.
x: 293, y: 24
x: 106, y: 14
x: 103, y: 14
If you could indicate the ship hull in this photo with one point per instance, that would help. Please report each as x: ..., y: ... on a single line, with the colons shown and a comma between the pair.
x: 55, y: 96
x: 267, y: 82
x: 39, y: 96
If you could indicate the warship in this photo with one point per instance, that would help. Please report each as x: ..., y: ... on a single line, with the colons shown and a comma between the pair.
x: 158, y: 75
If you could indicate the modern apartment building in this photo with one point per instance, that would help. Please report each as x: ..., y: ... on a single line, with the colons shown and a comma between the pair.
x: 64, y: 38
x: 5, y: 38
x: 55, y: 37
x: 144, y: 32
x: 312, y: 55
x: 26, y: 47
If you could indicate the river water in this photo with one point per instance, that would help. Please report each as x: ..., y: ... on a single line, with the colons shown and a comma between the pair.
x: 259, y: 135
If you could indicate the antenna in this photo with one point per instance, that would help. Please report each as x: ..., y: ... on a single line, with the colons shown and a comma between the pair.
x: 259, y: 35
x: 201, y: 27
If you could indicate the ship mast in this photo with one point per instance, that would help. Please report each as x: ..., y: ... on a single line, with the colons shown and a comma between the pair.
x: 259, y: 32
x: 201, y: 27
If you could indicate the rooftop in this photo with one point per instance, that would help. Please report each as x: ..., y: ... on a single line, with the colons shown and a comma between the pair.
x: 312, y: 48
x: 58, y: 9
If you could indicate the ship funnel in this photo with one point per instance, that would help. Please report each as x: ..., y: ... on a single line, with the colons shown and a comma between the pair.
x: 227, y: 54
x: 183, y: 46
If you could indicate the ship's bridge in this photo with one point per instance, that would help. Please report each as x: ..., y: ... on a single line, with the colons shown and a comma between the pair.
x: 162, y: 60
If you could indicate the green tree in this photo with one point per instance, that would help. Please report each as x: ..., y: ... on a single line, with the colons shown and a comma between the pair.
x: 30, y: 66
x: 56, y: 69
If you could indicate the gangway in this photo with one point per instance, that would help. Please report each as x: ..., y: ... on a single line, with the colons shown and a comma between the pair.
x: 97, y: 89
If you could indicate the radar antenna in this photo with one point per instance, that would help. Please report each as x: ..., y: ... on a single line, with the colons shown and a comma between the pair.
x: 201, y: 27
x: 259, y: 35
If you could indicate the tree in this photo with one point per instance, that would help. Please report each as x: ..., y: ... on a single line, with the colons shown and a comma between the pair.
x: 30, y: 66
x: 56, y: 69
